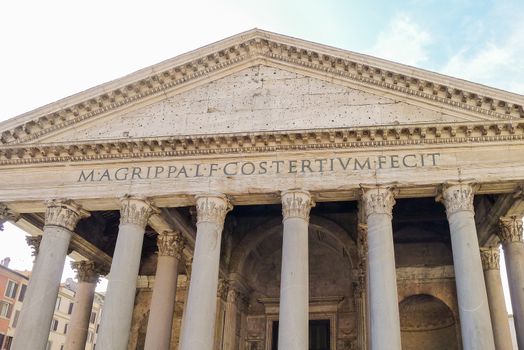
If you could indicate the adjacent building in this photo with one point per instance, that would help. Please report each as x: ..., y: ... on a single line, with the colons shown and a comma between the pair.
x: 13, y: 285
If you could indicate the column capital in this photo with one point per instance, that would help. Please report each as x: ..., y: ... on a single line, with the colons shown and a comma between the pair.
x: 34, y: 243
x: 64, y: 213
x: 457, y: 196
x: 223, y: 288
x: 7, y: 214
x: 87, y: 271
x: 378, y: 199
x: 212, y: 208
x: 510, y: 229
x: 490, y: 258
x: 136, y: 210
x: 170, y: 243
x: 296, y: 204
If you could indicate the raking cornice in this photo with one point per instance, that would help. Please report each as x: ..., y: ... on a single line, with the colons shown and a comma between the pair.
x: 259, y: 46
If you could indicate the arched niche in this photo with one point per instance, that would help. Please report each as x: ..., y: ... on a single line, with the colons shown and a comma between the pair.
x: 427, y: 323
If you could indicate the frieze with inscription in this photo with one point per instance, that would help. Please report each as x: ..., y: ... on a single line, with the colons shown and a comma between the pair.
x: 262, y: 167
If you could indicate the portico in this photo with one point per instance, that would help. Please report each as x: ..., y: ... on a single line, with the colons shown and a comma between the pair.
x: 343, y: 201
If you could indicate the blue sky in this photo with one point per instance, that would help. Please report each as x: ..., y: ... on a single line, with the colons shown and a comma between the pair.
x: 52, y: 49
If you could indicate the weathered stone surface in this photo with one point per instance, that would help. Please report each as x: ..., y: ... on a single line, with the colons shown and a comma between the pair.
x: 259, y: 98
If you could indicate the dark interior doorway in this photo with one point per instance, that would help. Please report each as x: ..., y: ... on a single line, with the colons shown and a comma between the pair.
x: 319, y: 335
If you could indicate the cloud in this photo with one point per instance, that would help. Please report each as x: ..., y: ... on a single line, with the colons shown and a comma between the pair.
x: 403, y: 41
x: 496, y: 62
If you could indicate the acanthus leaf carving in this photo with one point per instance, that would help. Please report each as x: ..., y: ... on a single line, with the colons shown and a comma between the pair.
x: 457, y: 196
x: 87, y: 271
x: 135, y: 211
x: 490, y: 258
x: 510, y: 229
x: 212, y: 208
x: 64, y: 213
x: 296, y: 204
x: 170, y: 244
x: 7, y: 214
x: 378, y: 199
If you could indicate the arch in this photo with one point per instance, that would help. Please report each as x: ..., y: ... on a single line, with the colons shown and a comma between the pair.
x: 274, y: 226
x: 426, y: 322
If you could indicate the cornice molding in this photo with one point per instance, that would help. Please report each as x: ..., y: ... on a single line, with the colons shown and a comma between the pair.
x: 260, y: 142
x: 260, y: 47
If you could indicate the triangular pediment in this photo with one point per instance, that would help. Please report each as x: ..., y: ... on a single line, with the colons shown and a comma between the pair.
x: 261, y: 82
x: 257, y: 99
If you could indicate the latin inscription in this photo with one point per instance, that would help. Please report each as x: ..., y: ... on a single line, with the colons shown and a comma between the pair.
x: 263, y: 167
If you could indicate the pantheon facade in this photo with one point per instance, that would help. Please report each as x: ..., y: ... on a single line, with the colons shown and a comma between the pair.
x: 265, y: 192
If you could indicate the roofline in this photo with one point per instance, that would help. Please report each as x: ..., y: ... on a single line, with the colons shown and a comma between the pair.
x: 15, y: 272
x: 254, y: 33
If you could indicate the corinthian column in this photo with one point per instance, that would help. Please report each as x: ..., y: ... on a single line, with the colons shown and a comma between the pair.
x: 199, y: 320
x: 510, y: 234
x: 293, y: 332
x: 497, y: 305
x: 87, y: 274
x: 32, y: 332
x: 383, y: 296
x: 234, y: 299
x: 120, y: 296
x: 475, y: 320
x: 160, y: 324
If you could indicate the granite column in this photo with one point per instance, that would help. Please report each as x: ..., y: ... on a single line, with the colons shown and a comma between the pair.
x: 497, y: 305
x: 160, y: 324
x: 475, y: 321
x: 293, y: 332
x: 200, y: 313
x: 510, y: 234
x: 32, y: 332
x: 87, y: 275
x: 120, y: 297
x: 383, y: 296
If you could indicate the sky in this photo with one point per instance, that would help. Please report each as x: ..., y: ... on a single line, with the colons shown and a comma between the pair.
x: 53, y: 49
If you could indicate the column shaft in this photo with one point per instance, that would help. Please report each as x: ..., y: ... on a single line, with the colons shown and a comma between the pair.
x: 475, y: 319
x: 497, y: 304
x: 383, y: 296
x: 120, y: 296
x: 513, y: 246
x: 293, y: 332
x: 160, y: 324
x: 83, y: 303
x: 199, y: 318
x: 230, y: 323
x: 39, y: 304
